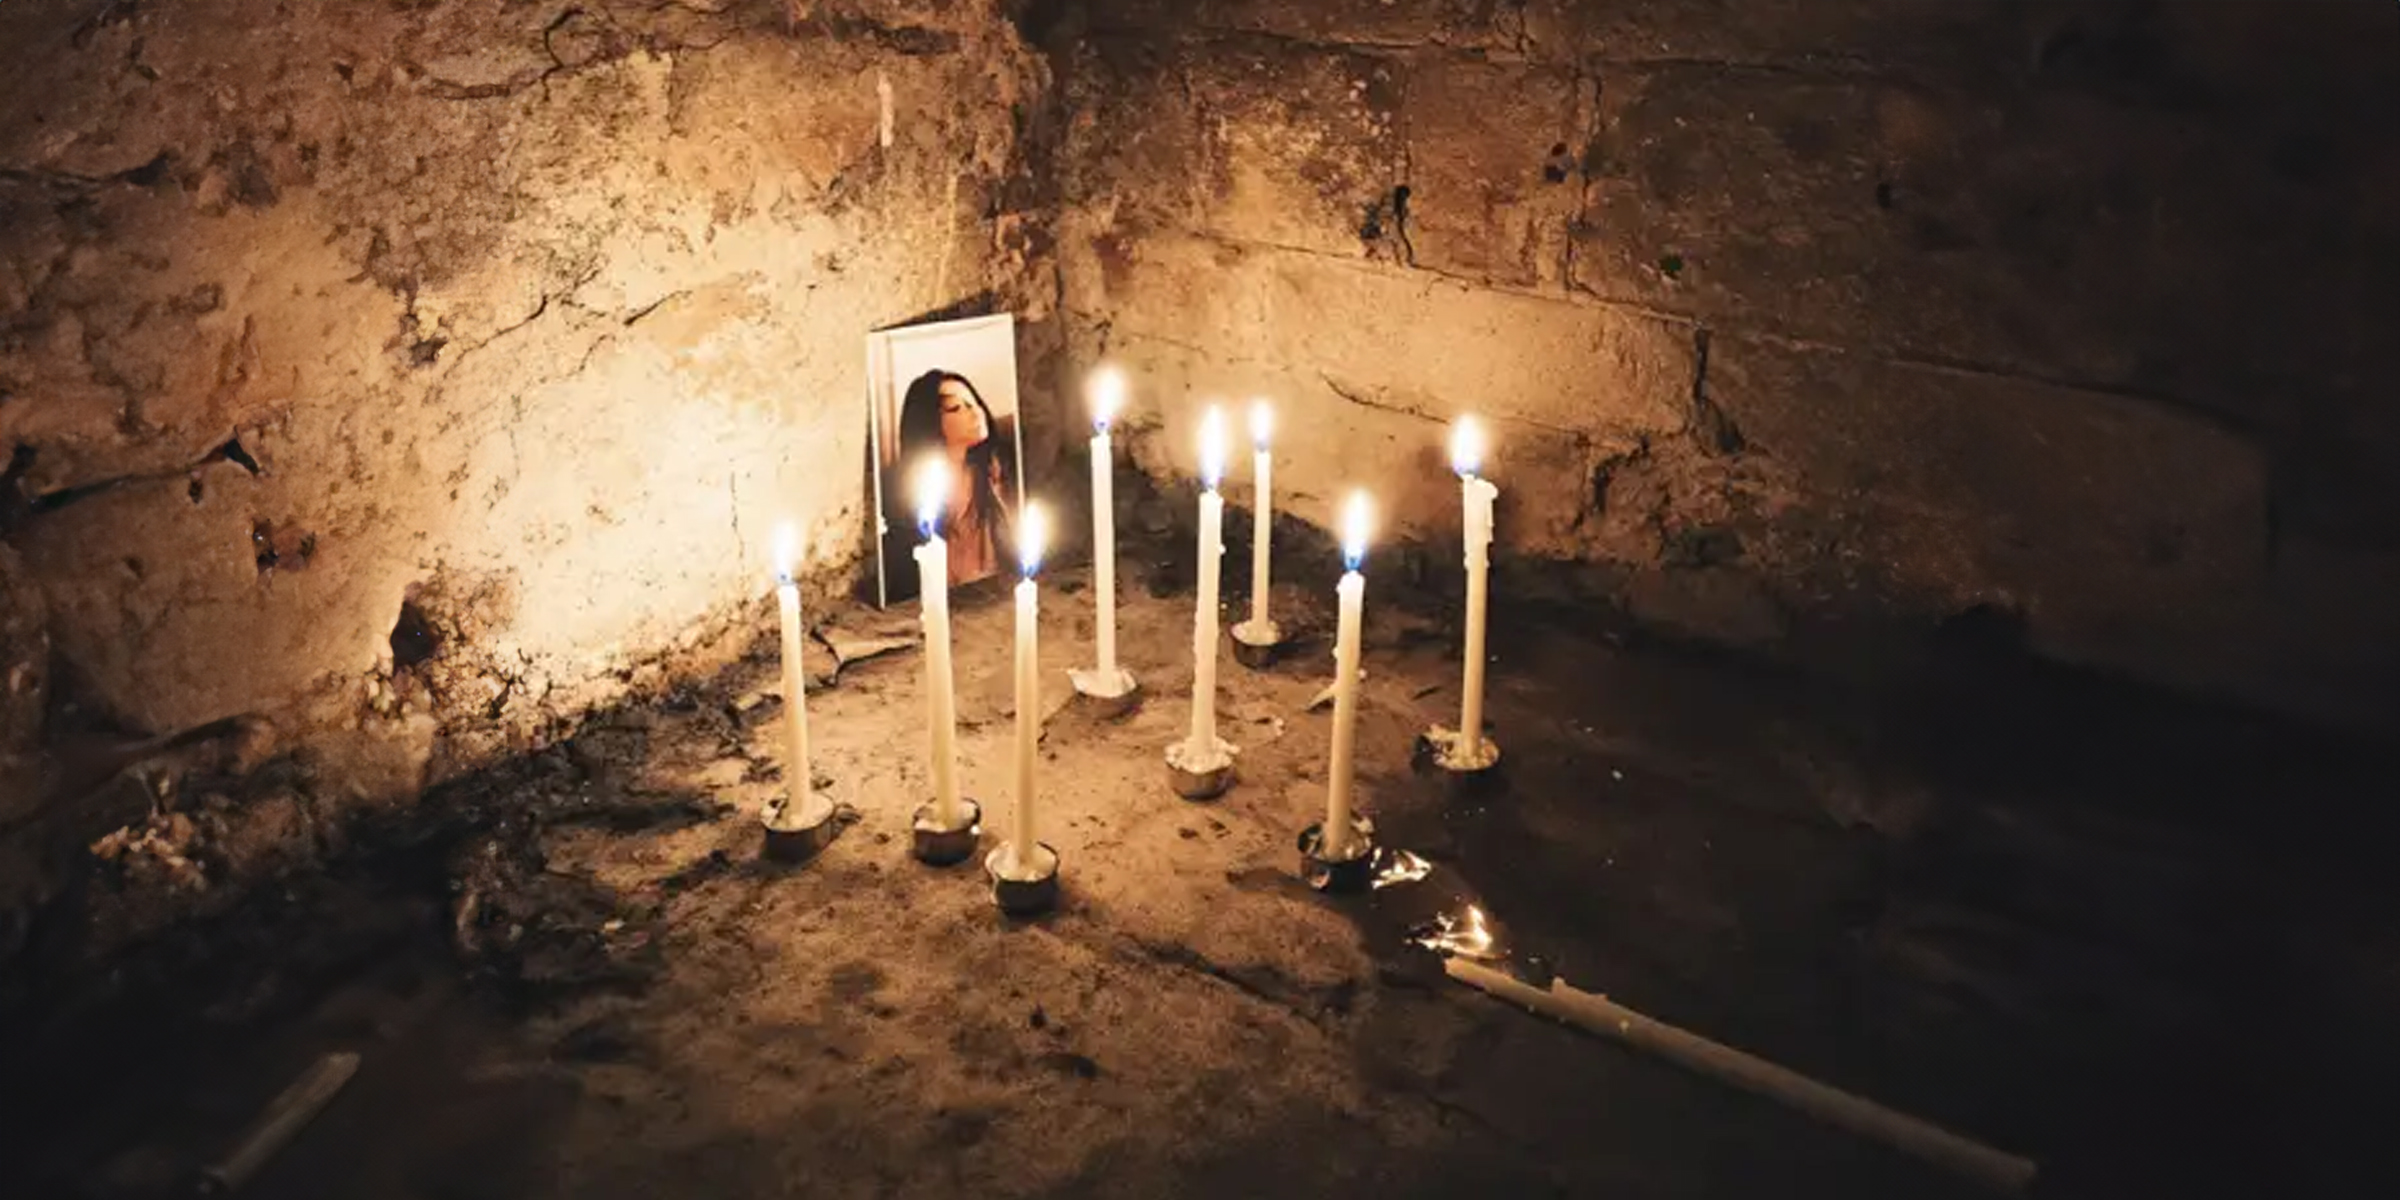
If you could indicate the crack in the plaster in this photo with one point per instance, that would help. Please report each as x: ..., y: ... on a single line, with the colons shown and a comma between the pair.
x: 1578, y: 296
x: 733, y: 503
x: 148, y: 174
x: 1357, y: 397
x: 230, y: 450
x: 1712, y: 425
x: 1257, y: 39
x: 1363, y: 400
x: 615, y: 49
x: 529, y: 318
x: 541, y: 308
x: 477, y: 421
x: 635, y: 316
x: 907, y: 40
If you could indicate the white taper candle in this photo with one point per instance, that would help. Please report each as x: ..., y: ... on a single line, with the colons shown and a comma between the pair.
x: 1476, y: 495
x: 1352, y: 596
x: 796, y: 771
x: 933, y: 583
x: 1262, y: 510
x: 1204, y: 616
x: 1107, y: 388
x: 1030, y: 531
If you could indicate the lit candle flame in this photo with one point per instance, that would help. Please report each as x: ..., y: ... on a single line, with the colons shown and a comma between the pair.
x: 1212, y: 447
x: 931, y: 482
x: 787, y: 551
x: 1466, y: 446
x: 1262, y: 422
x: 1466, y: 938
x: 1401, y: 866
x: 1106, y: 389
x: 1033, y: 529
x: 1356, y: 519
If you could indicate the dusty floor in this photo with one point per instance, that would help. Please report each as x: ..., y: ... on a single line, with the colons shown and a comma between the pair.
x: 2124, y: 938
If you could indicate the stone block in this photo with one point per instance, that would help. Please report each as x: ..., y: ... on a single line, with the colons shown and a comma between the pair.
x: 1896, y: 35
x: 1387, y: 23
x: 1369, y: 364
x: 162, y: 607
x: 1299, y: 146
x: 1328, y: 444
x: 1493, y: 168
x: 2048, y: 231
x: 2117, y: 525
x: 1391, y: 338
x: 1132, y: 144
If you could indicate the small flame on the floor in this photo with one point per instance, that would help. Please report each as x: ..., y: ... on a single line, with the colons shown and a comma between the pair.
x: 1467, y: 937
x: 1401, y: 866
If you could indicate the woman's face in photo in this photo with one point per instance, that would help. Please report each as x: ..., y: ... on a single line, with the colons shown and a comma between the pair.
x: 963, y: 423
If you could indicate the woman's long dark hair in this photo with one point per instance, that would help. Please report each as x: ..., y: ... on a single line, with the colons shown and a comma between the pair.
x: 986, y: 468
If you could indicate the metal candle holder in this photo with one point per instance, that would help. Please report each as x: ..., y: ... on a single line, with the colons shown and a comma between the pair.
x: 1353, y: 871
x: 939, y: 845
x: 1201, y: 775
x: 1257, y: 647
x: 1106, y: 695
x: 1468, y: 760
x: 796, y: 832
x: 1030, y: 890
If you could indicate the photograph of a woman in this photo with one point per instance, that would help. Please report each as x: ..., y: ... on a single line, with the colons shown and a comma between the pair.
x: 947, y: 393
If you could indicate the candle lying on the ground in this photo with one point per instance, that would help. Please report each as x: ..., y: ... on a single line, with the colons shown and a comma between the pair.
x: 2008, y: 1174
x: 797, y: 779
x: 1335, y: 843
x: 1030, y: 530
x: 932, y: 486
x: 1203, y: 742
x: 1475, y: 495
x: 1107, y: 394
x: 1262, y: 506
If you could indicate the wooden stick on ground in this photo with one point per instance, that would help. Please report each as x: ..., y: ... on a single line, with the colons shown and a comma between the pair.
x: 1994, y: 1169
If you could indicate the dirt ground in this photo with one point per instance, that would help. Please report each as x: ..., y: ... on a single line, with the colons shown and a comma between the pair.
x: 2126, y: 938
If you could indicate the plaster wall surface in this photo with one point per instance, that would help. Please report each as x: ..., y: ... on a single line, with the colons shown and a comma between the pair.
x: 1795, y: 316
x: 537, y: 319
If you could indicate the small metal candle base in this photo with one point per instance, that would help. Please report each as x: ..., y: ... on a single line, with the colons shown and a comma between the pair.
x: 1257, y: 646
x: 939, y: 845
x: 795, y: 832
x: 1032, y: 888
x: 1353, y: 872
x: 1458, y: 754
x: 1201, y: 775
x: 1106, y: 695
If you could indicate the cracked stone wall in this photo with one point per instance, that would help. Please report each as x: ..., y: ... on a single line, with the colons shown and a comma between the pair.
x: 417, y: 373
x: 1795, y: 319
